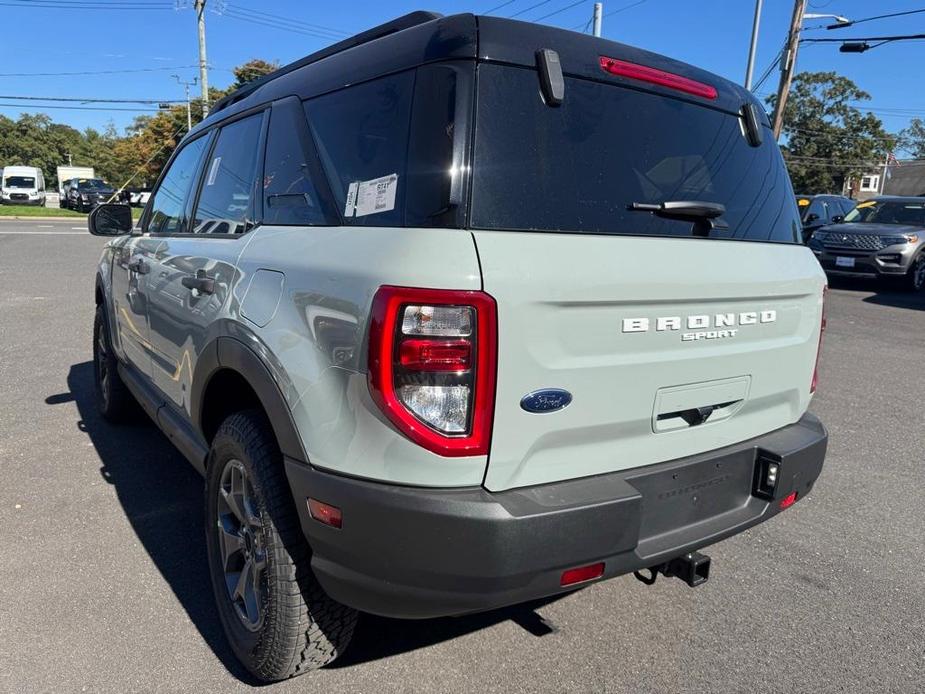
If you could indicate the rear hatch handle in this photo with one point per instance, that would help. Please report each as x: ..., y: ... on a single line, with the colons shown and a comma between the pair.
x: 705, y: 216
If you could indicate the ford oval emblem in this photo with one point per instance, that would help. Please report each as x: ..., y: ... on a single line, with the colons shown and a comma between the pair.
x: 546, y: 400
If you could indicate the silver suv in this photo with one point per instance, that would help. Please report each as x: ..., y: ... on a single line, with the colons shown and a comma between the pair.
x: 463, y: 312
x: 883, y: 237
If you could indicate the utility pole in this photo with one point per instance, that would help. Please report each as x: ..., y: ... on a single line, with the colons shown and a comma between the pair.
x: 750, y: 69
x: 189, y: 113
x: 598, y: 16
x: 203, y: 72
x: 787, y: 66
x: 70, y: 161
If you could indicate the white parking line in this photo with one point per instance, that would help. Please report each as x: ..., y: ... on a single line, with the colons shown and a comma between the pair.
x: 42, y: 233
x: 45, y: 226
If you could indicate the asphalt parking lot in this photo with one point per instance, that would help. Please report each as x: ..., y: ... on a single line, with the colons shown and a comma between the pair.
x: 103, y: 580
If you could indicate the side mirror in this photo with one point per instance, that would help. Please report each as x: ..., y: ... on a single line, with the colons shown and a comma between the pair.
x: 110, y: 220
x: 810, y: 218
x: 837, y: 219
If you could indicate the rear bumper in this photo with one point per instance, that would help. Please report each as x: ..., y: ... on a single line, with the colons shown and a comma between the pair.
x: 415, y: 553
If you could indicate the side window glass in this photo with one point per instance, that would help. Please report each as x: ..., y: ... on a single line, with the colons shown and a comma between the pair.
x: 229, y: 179
x: 290, y: 195
x: 362, y: 137
x: 169, y: 201
x: 817, y: 207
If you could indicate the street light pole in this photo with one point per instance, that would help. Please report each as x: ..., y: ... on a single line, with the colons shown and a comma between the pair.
x: 203, y: 72
x: 189, y: 113
x: 598, y: 17
x: 750, y: 69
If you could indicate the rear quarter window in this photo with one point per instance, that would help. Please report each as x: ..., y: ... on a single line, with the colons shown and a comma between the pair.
x: 576, y: 167
x: 361, y: 134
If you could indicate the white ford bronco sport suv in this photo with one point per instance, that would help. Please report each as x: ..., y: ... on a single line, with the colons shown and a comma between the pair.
x: 463, y: 312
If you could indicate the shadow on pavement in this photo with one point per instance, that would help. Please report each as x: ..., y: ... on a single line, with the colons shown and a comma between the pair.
x: 884, y: 293
x: 161, y: 495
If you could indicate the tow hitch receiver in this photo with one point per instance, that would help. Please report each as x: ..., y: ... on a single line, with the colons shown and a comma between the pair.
x: 693, y: 568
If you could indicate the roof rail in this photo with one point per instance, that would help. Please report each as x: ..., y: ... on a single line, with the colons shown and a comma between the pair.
x: 407, y: 21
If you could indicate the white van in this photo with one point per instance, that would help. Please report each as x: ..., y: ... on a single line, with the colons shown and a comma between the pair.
x: 22, y: 185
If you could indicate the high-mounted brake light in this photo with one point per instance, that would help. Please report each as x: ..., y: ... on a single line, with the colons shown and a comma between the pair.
x: 815, y: 382
x: 432, y: 366
x: 633, y: 71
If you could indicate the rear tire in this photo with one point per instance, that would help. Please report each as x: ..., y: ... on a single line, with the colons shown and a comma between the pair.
x: 113, y: 399
x: 915, y: 278
x: 277, y: 618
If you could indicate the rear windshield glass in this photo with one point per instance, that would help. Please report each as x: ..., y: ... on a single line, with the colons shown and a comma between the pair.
x: 889, y: 212
x: 20, y: 182
x: 578, y: 166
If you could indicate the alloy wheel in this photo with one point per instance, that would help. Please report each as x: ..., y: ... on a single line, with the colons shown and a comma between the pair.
x: 241, y: 545
x: 918, y: 273
x: 102, y: 365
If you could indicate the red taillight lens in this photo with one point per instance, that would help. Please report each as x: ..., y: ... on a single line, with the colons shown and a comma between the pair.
x: 432, y: 366
x: 788, y: 501
x: 325, y: 513
x: 632, y: 71
x: 582, y: 574
x: 435, y: 355
x: 815, y: 382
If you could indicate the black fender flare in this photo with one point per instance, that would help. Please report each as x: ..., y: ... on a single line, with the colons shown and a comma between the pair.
x: 229, y: 353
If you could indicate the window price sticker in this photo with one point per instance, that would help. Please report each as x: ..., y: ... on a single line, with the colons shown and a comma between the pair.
x: 370, y: 197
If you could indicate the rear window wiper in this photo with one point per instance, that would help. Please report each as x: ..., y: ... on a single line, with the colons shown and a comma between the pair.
x: 705, y: 216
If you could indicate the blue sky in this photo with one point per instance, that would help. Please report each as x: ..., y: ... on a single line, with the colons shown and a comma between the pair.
x: 48, y: 36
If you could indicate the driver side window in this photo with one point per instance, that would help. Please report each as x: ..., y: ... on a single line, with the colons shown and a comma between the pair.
x: 168, y: 203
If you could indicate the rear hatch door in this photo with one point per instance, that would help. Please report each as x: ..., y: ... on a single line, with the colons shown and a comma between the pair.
x: 669, y: 344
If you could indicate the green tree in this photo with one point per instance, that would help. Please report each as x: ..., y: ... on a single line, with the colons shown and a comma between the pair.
x: 828, y: 139
x: 912, y: 138
x: 251, y: 70
x: 139, y: 154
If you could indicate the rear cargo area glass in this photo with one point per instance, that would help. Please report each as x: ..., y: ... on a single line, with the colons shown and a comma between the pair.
x: 576, y: 167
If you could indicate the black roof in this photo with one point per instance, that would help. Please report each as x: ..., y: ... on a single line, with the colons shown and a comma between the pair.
x: 424, y: 37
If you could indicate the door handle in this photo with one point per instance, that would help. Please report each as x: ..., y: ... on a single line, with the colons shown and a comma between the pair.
x: 140, y: 266
x: 201, y: 282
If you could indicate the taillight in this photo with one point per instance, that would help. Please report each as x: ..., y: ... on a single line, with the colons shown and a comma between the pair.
x: 652, y: 75
x: 432, y: 366
x: 812, y: 386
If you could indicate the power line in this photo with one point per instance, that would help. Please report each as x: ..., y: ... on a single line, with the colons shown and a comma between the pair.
x: 498, y: 7
x: 527, y: 9
x: 95, y: 72
x: 235, y: 14
x: 908, y: 37
x: 40, y: 107
x: 85, y: 5
x: 625, y: 7
x: 288, y: 20
x: 92, y: 101
x: 613, y: 12
x: 870, y: 19
x: 769, y: 70
x: 559, y: 11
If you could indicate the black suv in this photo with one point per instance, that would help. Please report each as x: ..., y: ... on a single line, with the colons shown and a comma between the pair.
x: 818, y: 210
x: 83, y: 194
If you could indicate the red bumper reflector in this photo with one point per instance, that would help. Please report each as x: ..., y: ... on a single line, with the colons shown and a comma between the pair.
x: 582, y: 574
x: 788, y: 501
x: 325, y: 513
x: 435, y: 355
x: 622, y: 68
